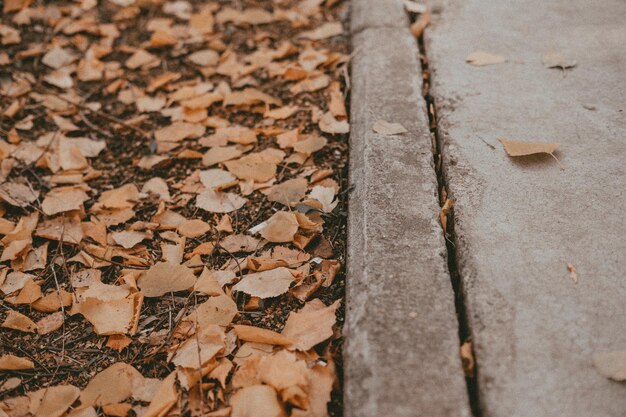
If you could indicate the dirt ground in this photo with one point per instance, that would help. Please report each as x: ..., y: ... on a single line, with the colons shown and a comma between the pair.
x: 61, y: 103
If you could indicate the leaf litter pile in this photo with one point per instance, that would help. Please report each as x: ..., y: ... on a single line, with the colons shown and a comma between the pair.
x: 172, y: 207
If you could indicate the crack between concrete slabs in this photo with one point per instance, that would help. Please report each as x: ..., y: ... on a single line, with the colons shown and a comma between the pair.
x: 465, y: 331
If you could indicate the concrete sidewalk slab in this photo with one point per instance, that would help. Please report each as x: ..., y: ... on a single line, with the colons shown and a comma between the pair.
x: 519, y: 222
x: 401, y: 356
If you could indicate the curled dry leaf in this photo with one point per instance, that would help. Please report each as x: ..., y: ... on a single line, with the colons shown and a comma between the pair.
x: 115, y: 316
x: 482, y: 58
x: 326, y: 196
x: 266, y: 284
x: 164, y: 398
x: 259, y: 335
x: 518, y: 148
x: 217, y: 179
x: 165, y: 277
x: 240, y: 243
x: 327, y: 30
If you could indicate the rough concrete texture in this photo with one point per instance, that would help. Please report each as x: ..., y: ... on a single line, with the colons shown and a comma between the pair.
x: 520, y: 221
x: 402, y: 352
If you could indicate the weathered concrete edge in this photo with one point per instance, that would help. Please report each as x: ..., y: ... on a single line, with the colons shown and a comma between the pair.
x: 401, y: 355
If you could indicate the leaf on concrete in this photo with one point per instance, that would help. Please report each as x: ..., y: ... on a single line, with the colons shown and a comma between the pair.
x: 266, y: 284
x: 611, y: 365
x: 165, y: 277
x: 554, y: 59
x: 519, y: 148
x: 388, y: 128
x: 482, y: 58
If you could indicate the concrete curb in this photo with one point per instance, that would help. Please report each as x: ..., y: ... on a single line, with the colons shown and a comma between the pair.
x: 401, y: 354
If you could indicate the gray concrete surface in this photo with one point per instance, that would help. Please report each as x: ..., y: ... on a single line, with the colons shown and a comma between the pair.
x: 402, y: 352
x: 520, y: 221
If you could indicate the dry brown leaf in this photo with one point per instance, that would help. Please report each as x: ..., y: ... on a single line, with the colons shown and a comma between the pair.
x: 256, y: 401
x: 329, y: 124
x: 111, y: 386
x: 17, y: 321
x: 240, y: 243
x: 208, y: 284
x: 53, y: 401
x: 266, y: 284
x: 164, y: 398
x: 204, y: 58
x: 310, y: 144
x: 326, y: 30
x: 254, y: 167
x: 10, y: 362
x: 119, y: 198
x: 218, y: 310
x: 482, y: 58
x: 165, y: 277
x: 387, y: 128
x: 17, y: 194
x: 611, y: 365
x: 326, y: 196
x: 235, y: 134
x: 311, y: 325
x: 259, y: 335
x: 519, y: 148
x: 129, y: 238
x: 217, y: 179
x: 288, y: 192
x: 178, y: 131
x: 220, y: 154
x: 194, y: 228
x: 117, y: 316
x: 287, y: 375
x: 201, y: 348
x: 30, y: 293
x: 219, y: 202
x: 281, y: 227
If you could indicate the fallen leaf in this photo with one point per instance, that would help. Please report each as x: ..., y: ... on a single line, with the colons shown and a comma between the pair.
x: 219, y: 202
x: 265, y: 284
x: 387, y: 128
x: 164, y: 277
x: 611, y: 365
x: 420, y: 24
x: 256, y: 401
x: 519, y: 148
x: 10, y: 362
x: 50, y: 323
x: 52, y: 401
x: 572, y: 273
x: 111, y: 386
x: 482, y: 58
x: 281, y: 227
x: 164, y: 398
x: 327, y: 30
x: 259, y: 335
x: 17, y: 321
x: 252, y: 167
x: 554, y: 59
x: 311, y: 325
x: 288, y: 192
